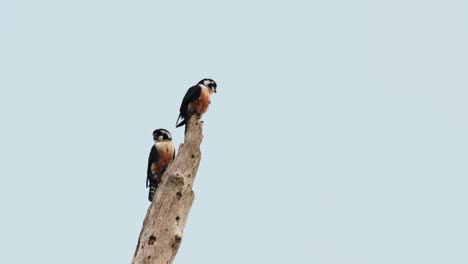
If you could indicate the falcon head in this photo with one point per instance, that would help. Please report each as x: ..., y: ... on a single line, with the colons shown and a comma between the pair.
x: 210, y: 84
x: 161, y: 135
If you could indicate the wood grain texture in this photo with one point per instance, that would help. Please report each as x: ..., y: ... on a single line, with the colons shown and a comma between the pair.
x: 163, y: 227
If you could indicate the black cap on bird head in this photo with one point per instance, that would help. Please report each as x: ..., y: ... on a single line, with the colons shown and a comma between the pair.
x: 209, y: 83
x: 161, y: 134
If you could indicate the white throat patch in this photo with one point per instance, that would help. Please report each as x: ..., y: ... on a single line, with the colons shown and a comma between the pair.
x: 204, y: 87
x: 164, y: 146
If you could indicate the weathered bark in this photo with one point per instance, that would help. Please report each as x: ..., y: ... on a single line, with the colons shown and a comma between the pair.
x: 164, y: 224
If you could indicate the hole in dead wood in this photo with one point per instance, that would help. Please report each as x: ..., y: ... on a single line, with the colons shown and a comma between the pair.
x: 151, y: 240
x: 176, y: 242
x: 178, y: 196
x: 177, y: 180
x: 149, y: 257
x: 177, y: 219
x: 190, y: 175
x: 193, y: 156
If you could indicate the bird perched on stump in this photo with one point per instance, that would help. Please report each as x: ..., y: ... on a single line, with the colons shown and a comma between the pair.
x: 162, y: 153
x: 196, y: 100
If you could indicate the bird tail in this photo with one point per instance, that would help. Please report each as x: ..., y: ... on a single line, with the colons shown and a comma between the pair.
x: 181, y: 122
x: 151, y: 193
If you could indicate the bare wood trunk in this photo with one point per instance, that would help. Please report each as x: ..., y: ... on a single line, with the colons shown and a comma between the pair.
x: 164, y: 224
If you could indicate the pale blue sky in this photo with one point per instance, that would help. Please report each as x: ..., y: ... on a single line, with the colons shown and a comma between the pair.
x: 338, y: 134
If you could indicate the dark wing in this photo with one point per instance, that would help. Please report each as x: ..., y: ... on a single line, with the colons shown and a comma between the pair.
x: 153, y: 157
x: 192, y: 95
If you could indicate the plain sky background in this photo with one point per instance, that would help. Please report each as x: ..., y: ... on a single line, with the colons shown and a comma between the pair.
x: 338, y: 135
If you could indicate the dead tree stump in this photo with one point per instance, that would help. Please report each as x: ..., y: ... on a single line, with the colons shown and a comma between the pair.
x: 163, y: 227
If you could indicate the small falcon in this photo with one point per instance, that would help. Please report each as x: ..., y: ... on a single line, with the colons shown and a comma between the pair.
x: 196, y: 100
x: 161, y: 154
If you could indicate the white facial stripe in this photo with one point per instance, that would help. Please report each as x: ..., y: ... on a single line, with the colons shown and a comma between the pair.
x: 166, y: 133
